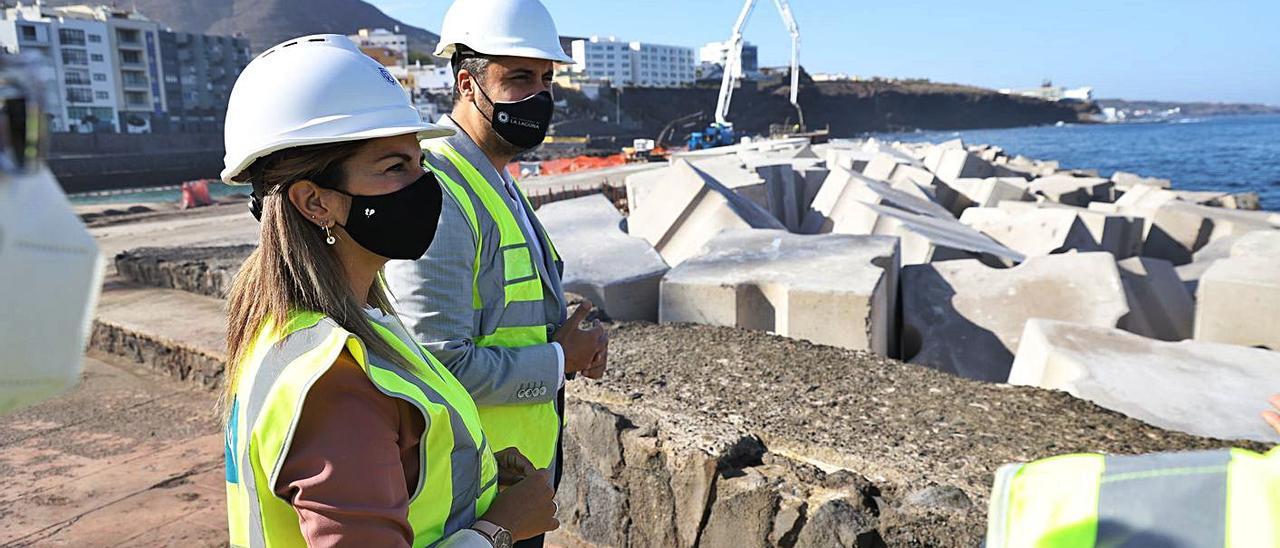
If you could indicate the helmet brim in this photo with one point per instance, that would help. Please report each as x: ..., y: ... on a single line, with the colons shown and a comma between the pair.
x: 423, y: 131
x: 558, y: 57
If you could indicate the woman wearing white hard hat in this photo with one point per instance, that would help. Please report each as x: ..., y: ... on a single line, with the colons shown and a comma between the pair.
x: 341, y: 429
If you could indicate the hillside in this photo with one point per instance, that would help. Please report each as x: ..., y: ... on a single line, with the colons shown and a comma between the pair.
x: 268, y: 22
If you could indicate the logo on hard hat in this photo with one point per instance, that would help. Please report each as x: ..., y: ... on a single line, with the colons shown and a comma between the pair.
x: 386, y: 75
x: 504, y: 117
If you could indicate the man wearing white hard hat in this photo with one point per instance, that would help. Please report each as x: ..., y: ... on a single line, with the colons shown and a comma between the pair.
x: 340, y: 429
x: 487, y: 297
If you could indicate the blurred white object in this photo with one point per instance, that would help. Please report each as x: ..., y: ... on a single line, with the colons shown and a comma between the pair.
x: 50, y: 267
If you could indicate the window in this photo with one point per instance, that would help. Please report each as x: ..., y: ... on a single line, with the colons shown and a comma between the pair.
x: 101, y: 95
x: 95, y: 38
x: 76, y: 77
x: 79, y: 95
x: 71, y: 37
x: 131, y: 56
x: 74, y: 57
x: 135, y: 98
x: 99, y: 77
x: 127, y: 36
x: 97, y: 58
x: 133, y: 78
x: 28, y: 32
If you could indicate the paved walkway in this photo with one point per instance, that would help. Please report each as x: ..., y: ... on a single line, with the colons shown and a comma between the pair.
x: 128, y: 457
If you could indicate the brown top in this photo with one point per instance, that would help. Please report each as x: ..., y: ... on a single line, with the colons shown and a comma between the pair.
x: 353, y: 462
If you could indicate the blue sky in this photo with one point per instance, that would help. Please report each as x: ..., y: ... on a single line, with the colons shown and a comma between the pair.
x: 1181, y: 50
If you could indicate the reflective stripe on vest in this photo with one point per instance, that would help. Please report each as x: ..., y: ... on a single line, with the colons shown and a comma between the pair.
x: 285, y: 363
x: 1227, y: 497
x: 507, y: 294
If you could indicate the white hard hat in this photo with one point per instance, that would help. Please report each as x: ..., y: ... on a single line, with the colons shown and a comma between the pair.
x: 516, y: 28
x: 314, y: 90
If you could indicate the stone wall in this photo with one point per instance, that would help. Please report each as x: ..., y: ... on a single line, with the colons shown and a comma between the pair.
x: 201, y: 270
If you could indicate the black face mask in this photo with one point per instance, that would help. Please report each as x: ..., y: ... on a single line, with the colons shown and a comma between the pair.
x: 522, y: 123
x: 399, y: 225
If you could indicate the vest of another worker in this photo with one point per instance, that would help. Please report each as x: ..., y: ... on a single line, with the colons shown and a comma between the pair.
x: 457, y: 474
x: 1223, y: 498
x: 506, y: 294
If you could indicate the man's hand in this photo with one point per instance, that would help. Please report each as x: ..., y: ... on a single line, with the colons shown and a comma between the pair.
x: 582, y: 347
x: 600, y: 362
x: 512, y: 466
x: 1272, y: 416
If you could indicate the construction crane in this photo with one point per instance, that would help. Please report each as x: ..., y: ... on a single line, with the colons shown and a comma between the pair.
x: 722, y: 130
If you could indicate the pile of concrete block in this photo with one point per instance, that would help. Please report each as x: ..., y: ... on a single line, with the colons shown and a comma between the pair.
x: 1076, y: 191
x: 966, y: 318
x: 831, y: 289
x: 1116, y: 233
x: 1033, y: 231
x: 1202, y: 388
x: 1238, y: 297
x: 681, y: 208
x: 616, y: 271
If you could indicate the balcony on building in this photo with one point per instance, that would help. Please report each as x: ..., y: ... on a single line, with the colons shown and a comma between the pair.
x: 134, y: 80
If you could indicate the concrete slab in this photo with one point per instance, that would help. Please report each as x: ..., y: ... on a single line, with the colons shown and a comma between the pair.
x: 930, y: 239
x: 833, y: 289
x: 618, y: 272
x: 991, y: 191
x: 967, y: 319
x: 882, y: 166
x: 695, y: 207
x: 1125, y: 180
x: 1076, y: 191
x: 1179, y: 229
x: 1200, y: 388
x: 957, y: 163
x: 1238, y: 302
x: 1120, y: 234
x: 1033, y: 231
x: 791, y: 188
x: 1259, y: 243
x: 840, y: 205
x: 1160, y: 307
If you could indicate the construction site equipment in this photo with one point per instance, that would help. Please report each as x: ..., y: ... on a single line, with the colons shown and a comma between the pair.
x: 721, y: 132
x: 668, y: 132
x: 50, y: 267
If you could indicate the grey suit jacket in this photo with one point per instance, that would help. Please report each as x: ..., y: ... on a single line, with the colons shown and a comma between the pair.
x: 433, y: 297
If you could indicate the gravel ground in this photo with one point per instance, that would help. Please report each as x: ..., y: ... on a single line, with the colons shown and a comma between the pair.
x: 903, y: 426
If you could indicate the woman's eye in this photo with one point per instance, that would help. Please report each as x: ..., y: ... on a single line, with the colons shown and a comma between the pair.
x: 397, y: 167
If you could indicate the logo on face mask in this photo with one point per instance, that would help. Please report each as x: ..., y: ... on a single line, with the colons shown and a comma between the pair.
x: 368, y: 213
x: 522, y: 123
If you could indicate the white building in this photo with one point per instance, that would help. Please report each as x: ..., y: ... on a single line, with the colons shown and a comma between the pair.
x: 383, y: 38
x: 1049, y: 92
x: 633, y: 63
x: 717, y: 53
x: 79, y: 49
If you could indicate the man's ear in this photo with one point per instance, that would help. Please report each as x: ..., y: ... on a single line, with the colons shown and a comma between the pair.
x: 466, y: 85
x: 320, y: 206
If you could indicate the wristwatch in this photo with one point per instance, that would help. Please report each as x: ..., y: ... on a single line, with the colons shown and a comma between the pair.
x: 499, y: 537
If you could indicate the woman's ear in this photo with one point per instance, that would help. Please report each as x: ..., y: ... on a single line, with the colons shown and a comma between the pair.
x: 321, y: 206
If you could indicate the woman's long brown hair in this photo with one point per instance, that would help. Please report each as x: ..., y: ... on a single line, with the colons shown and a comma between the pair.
x: 293, y: 268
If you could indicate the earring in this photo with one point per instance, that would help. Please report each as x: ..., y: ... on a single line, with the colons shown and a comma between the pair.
x: 328, y: 236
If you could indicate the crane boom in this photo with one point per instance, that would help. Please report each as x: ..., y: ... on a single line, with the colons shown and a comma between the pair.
x: 733, y: 59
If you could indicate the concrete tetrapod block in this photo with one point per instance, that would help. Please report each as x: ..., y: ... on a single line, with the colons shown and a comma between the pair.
x: 1120, y: 234
x: 688, y: 209
x: 1200, y: 388
x: 1033, y: 231
x: 840, y: 205
x: 882, y: 166
x: 618, y: 272
x: 965, y: 318
x: 1160, y: 307
x: 1238, y: 302
x: 1076, y: 191
x: 1259, y: 243
x: 830, y: 289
